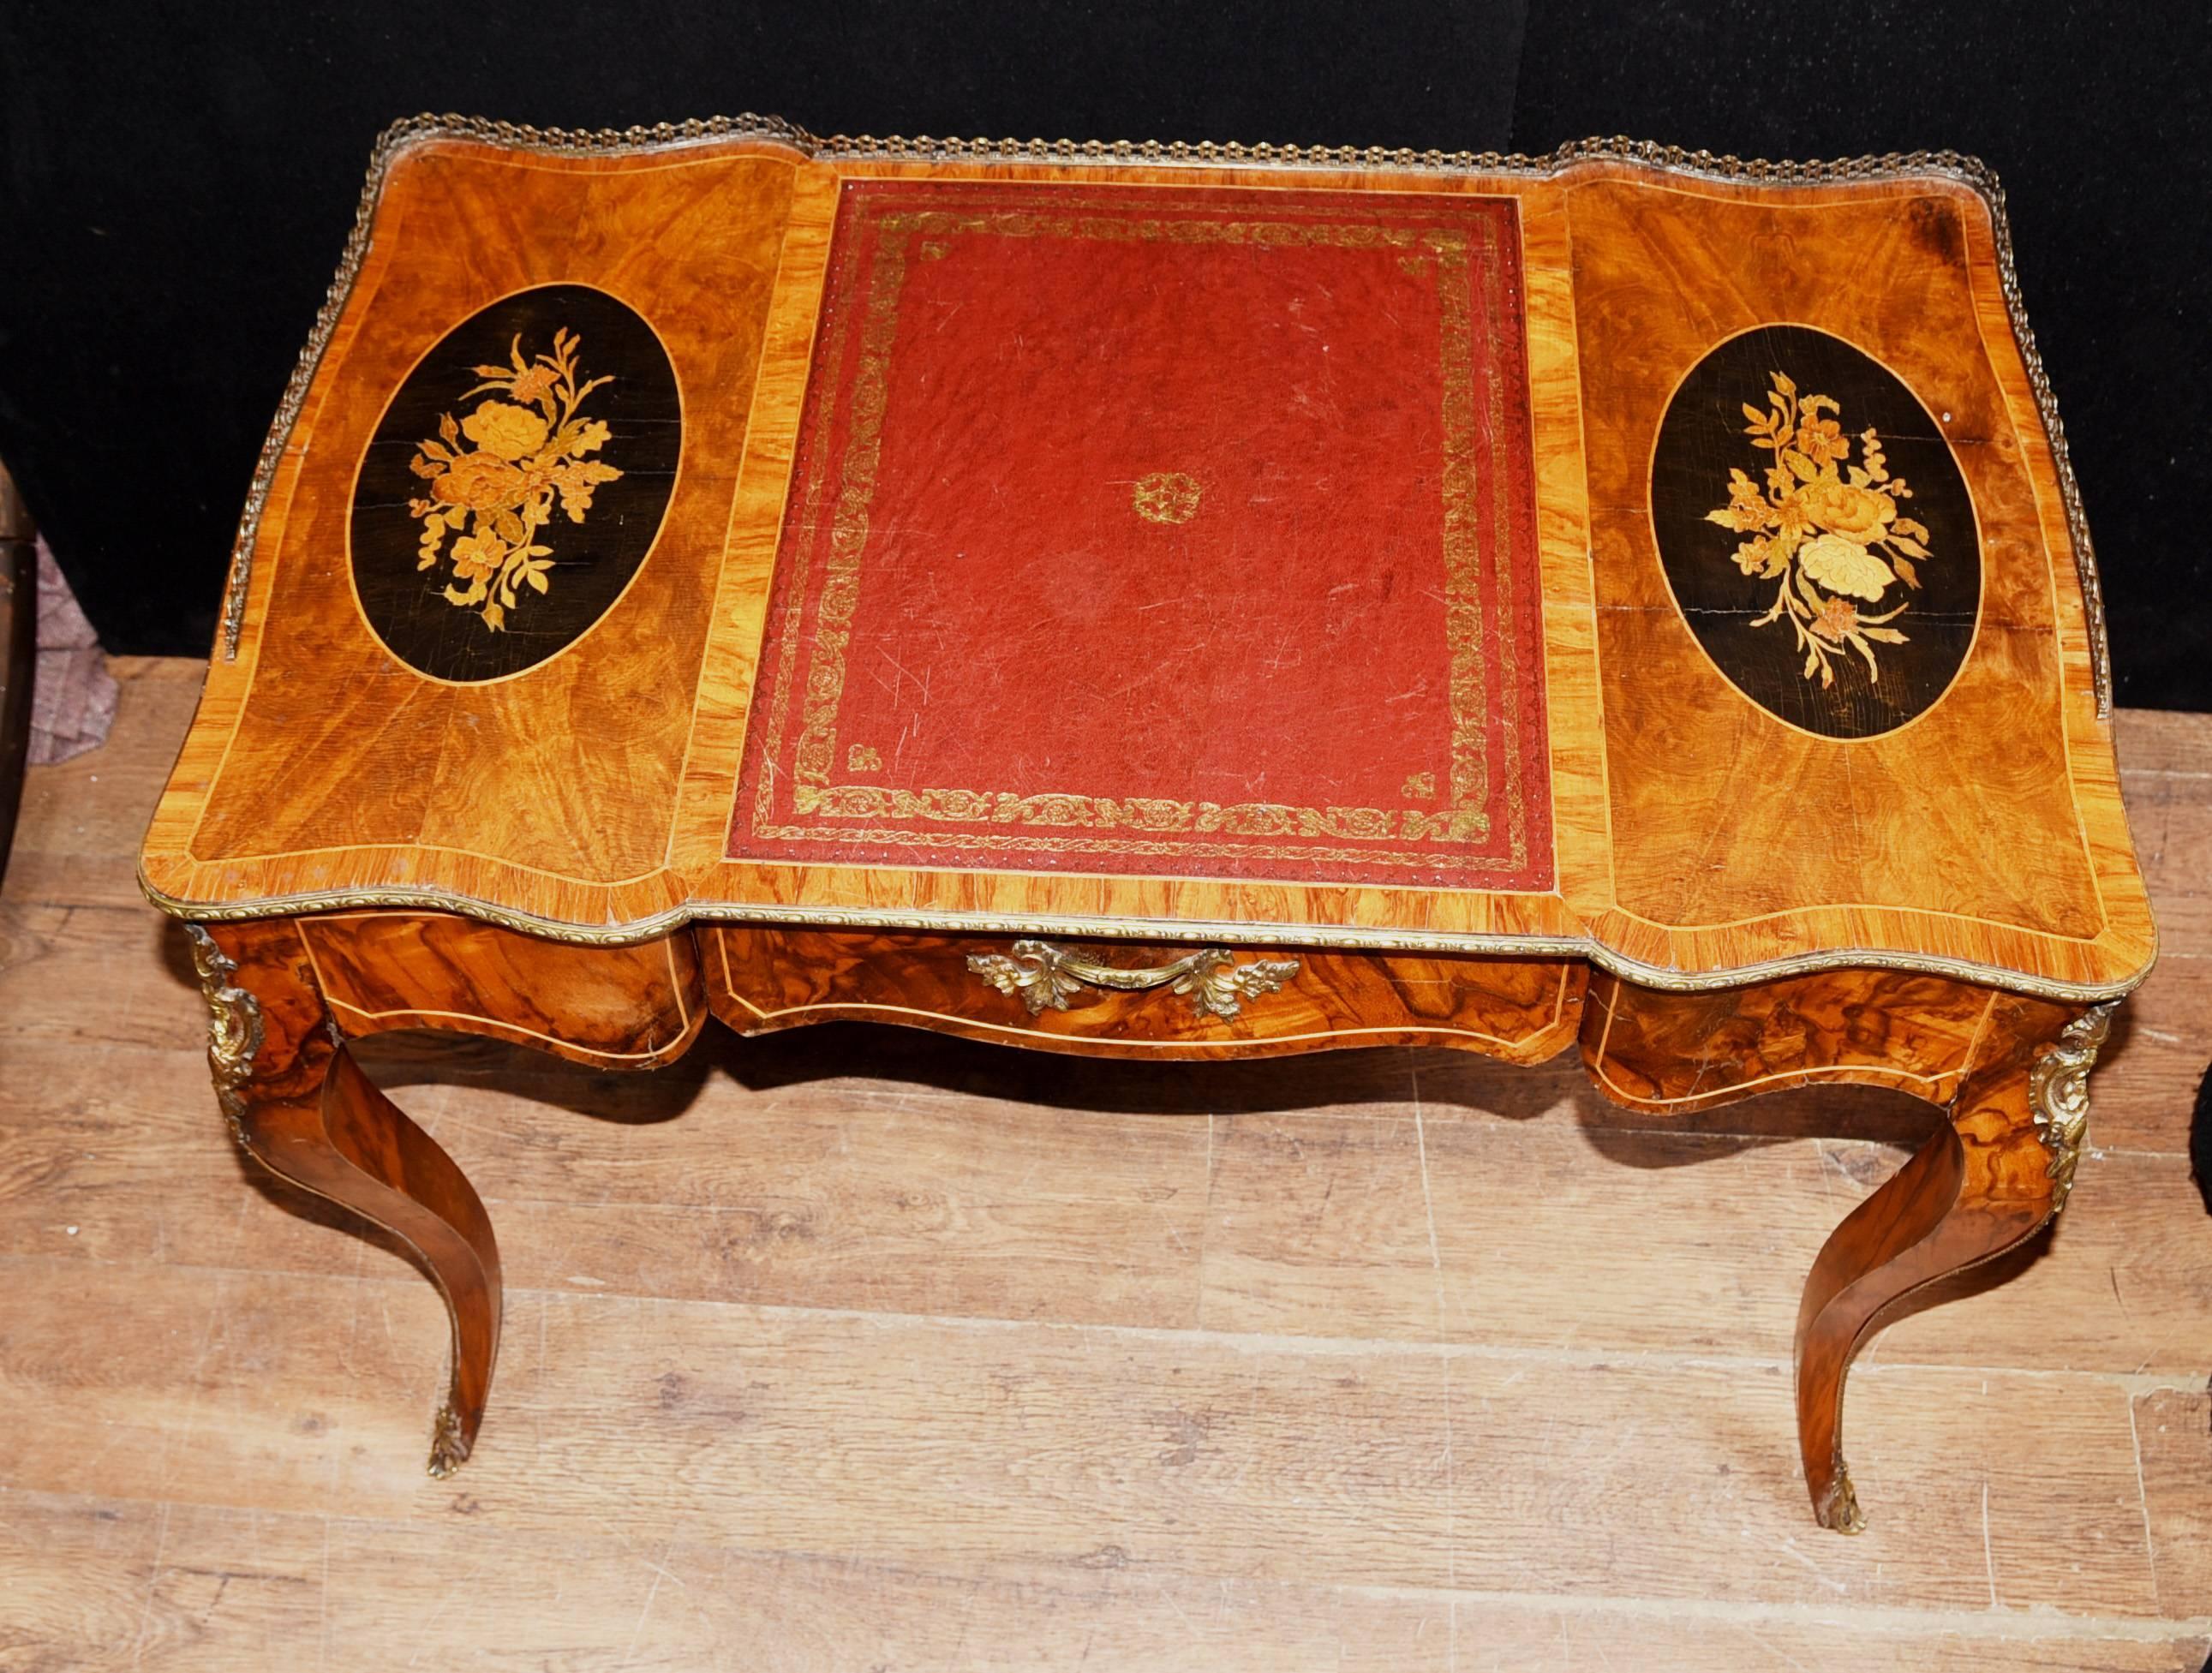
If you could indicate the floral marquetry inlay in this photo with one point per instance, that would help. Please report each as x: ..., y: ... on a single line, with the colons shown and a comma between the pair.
x: 1830, y: 529
x: 515, y: 483
x: 1816, y: 531
x: 492, y: 478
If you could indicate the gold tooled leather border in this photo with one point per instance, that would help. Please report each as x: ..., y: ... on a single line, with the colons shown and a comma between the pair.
x: 1968, y: 171
x: 1180, y: 931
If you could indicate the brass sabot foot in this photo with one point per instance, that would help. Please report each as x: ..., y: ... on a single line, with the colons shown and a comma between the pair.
x: 449, y: 1449
x: 1839, y: 1509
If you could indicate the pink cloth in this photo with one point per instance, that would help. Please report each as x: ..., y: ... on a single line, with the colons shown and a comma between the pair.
x: 72, y: 694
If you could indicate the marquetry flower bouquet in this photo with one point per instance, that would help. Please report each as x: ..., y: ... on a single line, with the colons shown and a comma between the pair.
x: 493, y: 478
x: 1829, y: 531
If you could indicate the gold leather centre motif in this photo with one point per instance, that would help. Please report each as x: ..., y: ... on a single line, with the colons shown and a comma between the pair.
x: 1166, y: 497
x: 1829, y: 531
x: 493, y: 478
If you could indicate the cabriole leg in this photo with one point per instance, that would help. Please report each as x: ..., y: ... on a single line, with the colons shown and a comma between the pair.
x: 1990, y: 1178
x: 299, y: 1105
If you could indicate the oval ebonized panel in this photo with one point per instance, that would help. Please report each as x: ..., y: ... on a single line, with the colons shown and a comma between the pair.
x: 1816, y: 531
x: 515, y: 483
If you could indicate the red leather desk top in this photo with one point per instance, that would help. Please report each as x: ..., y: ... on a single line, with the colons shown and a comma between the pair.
x: 1165, y: 531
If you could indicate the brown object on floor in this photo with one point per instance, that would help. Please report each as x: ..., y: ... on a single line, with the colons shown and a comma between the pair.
x: 847, y: 1347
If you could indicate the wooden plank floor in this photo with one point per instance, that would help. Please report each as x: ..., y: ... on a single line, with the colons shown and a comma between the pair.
x: 865, y: 1349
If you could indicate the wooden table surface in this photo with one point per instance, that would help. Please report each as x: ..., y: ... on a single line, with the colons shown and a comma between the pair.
x: 881, y: 1349
x: 1013, y: 543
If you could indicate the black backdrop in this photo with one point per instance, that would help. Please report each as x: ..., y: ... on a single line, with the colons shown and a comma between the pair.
x: 176, y: 185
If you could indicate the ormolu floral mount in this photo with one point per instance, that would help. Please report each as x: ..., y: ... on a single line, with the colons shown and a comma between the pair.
x: 1048, y: 977
x: 1171, y: 603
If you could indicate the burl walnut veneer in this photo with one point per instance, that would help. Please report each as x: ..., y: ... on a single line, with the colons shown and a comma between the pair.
x: 1171, y: 602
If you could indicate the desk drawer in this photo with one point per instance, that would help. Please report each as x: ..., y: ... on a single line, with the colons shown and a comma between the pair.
x: 1141, y: 998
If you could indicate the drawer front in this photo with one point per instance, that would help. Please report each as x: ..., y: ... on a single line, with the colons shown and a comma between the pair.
x: 1141, y: 999
x: 635, y: 1007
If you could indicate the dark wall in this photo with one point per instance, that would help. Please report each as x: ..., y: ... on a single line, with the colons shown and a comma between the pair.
x: 176, y: 185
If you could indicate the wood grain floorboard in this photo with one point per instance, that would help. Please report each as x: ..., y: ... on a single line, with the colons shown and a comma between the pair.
x: 2173, y: 1433
x: 859, y: 1348
x: 212, y: 1589
x: 847, y: 1193
x: 889, y: 1438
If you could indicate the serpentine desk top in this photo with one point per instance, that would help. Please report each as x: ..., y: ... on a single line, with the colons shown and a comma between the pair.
x: 1666, y: 561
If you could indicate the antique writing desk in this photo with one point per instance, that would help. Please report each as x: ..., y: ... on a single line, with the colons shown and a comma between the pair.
x: 1170, y: 602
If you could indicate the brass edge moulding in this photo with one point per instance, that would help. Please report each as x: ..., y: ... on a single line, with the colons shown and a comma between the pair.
x: 1343, y: 937
x: 1968, y: 171
x: 2058, y: 1095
